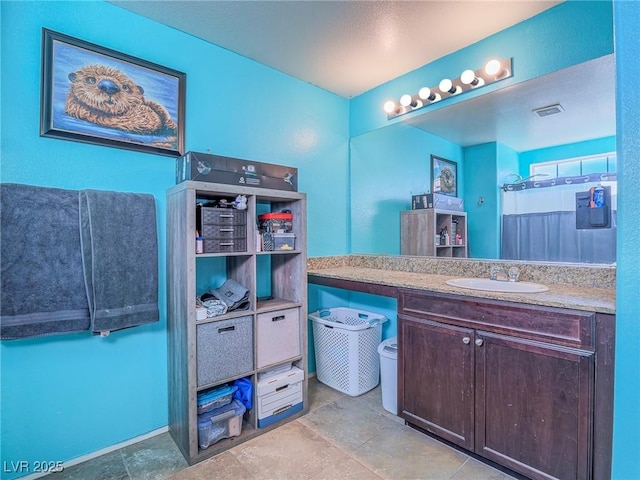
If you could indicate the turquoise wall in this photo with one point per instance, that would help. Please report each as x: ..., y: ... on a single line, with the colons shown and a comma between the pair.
x: 626, y: 433
x: 483, y: 226
x: 66, y: 396
x: 388, y: 166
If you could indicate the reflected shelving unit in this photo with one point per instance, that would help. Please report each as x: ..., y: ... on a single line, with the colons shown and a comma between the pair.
x: 419, y: 228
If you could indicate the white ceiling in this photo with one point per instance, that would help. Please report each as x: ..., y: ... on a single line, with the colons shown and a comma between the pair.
x: 349, y: 47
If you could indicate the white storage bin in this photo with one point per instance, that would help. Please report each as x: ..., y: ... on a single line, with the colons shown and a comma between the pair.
x: 279, y: 396
x: 346, y: 342
x: 278, y: 336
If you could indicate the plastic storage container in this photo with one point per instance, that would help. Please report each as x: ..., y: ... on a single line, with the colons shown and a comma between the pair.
x: 275, y: 222
x: 215, y: 398
x: 284, y: 241
x: 223, y: 422
x: 388, y: 351
x: 346, y: 342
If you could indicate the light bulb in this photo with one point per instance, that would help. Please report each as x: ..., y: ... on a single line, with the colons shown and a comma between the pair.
x: 492, y: 67
x: 389, y: 106
x: 407, y: 101
x: 425, y: 93
x: 468, y: 77
x: 445, y: 85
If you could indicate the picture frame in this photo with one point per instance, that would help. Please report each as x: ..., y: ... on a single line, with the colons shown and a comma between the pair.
x: 96, y: 95
x: 444, y: 176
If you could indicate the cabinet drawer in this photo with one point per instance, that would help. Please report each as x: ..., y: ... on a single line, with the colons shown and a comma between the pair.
x: 222, y: 216
x: 223, y: 231
x: 224, y: 349
x: 278, y: 336
x: 556, y: 325
x: 215, y: 245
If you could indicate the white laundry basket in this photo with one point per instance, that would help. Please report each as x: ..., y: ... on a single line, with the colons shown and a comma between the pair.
x: 346, y: 343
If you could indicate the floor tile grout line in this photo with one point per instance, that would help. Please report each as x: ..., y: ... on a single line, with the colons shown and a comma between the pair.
x: 349, y: 455
x: 460, y: 468
x: 124, y: 462
x: 344, y: 451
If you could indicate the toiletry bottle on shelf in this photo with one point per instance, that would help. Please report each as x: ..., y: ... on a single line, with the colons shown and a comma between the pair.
x: 446, y: 236
x: 199, y: 243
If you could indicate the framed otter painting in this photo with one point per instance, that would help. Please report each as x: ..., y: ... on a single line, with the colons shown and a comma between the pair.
x: 444, y: 176
x: 96, y: 95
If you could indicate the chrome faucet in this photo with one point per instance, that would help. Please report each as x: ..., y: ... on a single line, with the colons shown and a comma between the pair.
x: 501, y: 274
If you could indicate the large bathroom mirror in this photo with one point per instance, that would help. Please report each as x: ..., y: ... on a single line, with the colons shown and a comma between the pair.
x: 489, y: 135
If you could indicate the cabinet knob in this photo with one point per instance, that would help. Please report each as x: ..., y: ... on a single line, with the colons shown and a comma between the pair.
x: 466, y: 340
x: 479, y: 342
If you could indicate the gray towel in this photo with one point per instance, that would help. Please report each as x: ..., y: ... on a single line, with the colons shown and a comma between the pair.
x: 41, y: 276
x: 120, y: 257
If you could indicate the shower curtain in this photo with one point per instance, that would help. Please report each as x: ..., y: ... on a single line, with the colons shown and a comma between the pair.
x: 539, y: 223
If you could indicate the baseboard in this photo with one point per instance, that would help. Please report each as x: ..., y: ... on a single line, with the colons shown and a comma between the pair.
x: 97, y: 453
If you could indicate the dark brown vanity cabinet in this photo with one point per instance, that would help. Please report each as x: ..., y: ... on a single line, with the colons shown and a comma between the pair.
x: 517, y: 384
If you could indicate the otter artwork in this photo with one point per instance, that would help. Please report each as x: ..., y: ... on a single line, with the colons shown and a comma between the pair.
x: 105, y: 96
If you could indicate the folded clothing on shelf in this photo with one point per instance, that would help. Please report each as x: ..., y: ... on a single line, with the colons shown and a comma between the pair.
x: 234, y: 295
x: 213, y: 306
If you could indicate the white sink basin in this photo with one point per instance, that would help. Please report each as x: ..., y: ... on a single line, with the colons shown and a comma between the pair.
x: 497, y: 286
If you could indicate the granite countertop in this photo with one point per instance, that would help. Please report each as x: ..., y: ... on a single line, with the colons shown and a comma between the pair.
x: 586, y: 288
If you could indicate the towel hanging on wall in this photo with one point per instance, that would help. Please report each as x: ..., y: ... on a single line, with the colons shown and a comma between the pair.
x: 41, y: 276
x: 76, y: 260
x: 119, y: 246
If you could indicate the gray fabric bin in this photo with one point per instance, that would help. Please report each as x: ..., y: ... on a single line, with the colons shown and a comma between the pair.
x: 224, y: 349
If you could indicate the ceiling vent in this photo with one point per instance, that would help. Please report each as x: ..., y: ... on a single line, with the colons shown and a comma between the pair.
x: 550, y: 110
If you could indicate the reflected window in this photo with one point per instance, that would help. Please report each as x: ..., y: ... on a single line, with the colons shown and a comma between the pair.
x: 573, y: 167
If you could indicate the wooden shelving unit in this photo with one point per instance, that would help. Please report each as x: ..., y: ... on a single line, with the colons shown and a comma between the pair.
x: 280, y: 276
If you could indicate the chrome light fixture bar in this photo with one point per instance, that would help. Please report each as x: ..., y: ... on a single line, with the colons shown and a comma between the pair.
x: 494, y: 71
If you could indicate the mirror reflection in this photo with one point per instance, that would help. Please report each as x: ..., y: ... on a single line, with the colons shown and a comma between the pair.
x: 530, y: 160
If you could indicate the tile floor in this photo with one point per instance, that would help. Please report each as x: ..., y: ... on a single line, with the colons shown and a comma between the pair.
x: 342, y: 437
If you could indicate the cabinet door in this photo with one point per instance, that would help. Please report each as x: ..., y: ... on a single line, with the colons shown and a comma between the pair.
x: 435, y: 372
x: 533, y: 406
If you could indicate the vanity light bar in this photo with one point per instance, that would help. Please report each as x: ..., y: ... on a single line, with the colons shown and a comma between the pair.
x: 494, y: 71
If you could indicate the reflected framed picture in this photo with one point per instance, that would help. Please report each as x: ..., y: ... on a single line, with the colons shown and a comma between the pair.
x: 444, y: 176
x: 96, y: 95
